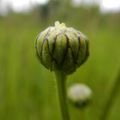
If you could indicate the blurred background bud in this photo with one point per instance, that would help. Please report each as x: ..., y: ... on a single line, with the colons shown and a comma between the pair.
x: 79, y: 95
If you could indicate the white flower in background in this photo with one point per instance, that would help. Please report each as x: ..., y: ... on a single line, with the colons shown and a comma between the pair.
x: 79, y: 94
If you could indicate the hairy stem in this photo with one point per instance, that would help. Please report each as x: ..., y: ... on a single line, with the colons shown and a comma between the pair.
x: 61, y: 85
x: 111, y: 98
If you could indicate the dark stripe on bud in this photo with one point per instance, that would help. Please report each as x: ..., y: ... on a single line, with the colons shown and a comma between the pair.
x: 45, y: 39
x: 53, y: 46
x: 87, y: 51
x: 73, y: 55
x: 78, y: 47
x: 66, y: 51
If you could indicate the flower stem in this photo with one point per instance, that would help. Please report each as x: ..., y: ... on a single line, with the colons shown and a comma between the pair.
x: 111, y: 98
x: 61, y: 85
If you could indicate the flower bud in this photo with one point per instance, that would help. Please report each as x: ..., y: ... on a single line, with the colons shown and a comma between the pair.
x: 62, y: 48
x: 79, y: 95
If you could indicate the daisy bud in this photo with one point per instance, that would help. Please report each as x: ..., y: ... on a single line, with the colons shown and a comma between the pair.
x: 62, y: 48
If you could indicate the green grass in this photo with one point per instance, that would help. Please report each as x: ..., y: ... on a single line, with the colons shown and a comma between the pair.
x: 28, y: 90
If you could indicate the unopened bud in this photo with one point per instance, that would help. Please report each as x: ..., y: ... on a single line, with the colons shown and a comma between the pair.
x: 79, y: 95
x: 62, y: 48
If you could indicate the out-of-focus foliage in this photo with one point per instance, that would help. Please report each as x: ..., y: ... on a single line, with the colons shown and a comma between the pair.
x: 28, y: 90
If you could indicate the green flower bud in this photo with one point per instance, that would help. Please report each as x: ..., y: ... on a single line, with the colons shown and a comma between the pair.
x: 79, y: 95
x: 62, y: 48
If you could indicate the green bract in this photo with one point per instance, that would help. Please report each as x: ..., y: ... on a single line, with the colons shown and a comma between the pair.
x: 62, y: 48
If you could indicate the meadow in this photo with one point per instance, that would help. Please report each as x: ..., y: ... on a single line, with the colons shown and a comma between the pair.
x: 28, y: 90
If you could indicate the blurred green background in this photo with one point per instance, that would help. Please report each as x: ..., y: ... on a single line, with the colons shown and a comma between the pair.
x: 28, y: 90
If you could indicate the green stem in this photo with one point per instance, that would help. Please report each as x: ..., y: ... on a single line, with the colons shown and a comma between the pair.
x: 82, y: 114
x: 61, y: 84
x: 111, y: 98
